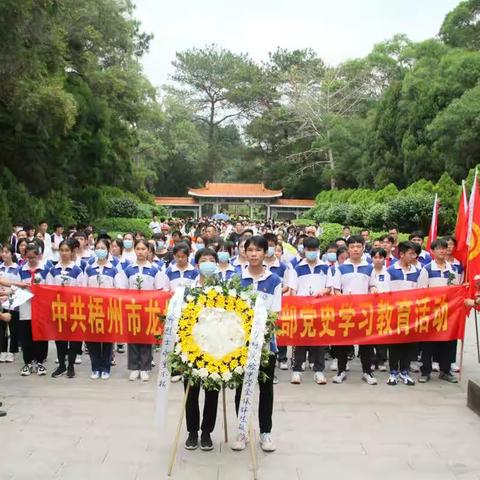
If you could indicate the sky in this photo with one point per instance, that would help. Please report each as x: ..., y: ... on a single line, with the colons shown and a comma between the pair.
x: 336, y: 30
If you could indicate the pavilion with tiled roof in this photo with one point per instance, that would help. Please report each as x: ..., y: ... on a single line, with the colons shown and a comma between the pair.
x: 247, y: 199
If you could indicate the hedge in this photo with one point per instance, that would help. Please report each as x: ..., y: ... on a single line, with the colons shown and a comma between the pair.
x: 124, y: 225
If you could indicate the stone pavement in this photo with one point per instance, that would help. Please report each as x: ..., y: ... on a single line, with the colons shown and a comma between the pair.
x: 81, y: 429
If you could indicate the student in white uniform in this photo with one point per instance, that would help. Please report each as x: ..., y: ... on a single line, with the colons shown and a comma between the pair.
x: 438, y: 273
x: 102, y: 274
x: 66, y: 273
x: 353, y: 278
x: 182, y: 272
x: 128, y: 249
x: 403, y: 276
x: 309, y: 278
x: 142, y: 275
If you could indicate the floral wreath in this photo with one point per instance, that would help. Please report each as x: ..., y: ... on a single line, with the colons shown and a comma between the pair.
x: 214, y: 332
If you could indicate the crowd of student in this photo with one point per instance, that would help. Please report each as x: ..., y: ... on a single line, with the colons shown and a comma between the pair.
x: 277, y: 259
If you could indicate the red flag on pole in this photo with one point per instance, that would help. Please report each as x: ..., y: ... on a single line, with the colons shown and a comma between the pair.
x: 432, y: 234
x: 473, y: 234
x: 461, y: 250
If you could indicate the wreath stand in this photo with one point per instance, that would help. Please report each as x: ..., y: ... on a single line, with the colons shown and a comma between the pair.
x: 252, y: 448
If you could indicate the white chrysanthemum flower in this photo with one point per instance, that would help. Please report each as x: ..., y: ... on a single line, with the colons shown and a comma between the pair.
x: 208, y: 289
x: 195, y: 372
x: 227, y: 376
x: 178, y: 349
x: 238, y: 370
x: 203, y: 373
x: 184, y: 357
x: 215, y: 376
x: 244, y: 295
x: 190, y: 298
x: 232, y: 292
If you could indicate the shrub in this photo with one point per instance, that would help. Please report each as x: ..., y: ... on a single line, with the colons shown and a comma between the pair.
x: 124, y: 225
x: 410, y: 212
x: 60, y: 208
x: 122, y: 207
x: 337, y: 213
x: 374, y: 216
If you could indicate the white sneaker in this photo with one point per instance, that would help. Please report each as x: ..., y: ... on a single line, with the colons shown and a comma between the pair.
x: 10, y: 357
x: 175, y: 378
x: 406, y: 379
x: 304, y: 365
x: 78, y: 360
x: 382, y: 367
x: 296, y: 378
x: 240, y: 443
x: 153, y: 363
x: 266, y: 442
x: 373, y: 367
x: 341, y: 377
x: 334, y: 365
x: 144, y: 376
x: 95, y: 375
x: 105, y: 375
x: 283, y: 366
x: 414, y: 367
x: 26, y: 370
x: 134, y: 374
x: 311, y: 366
x: 435, y: 367
x: 454, y: 368
x: 56, y: 361
x: 319, y: 378
x: 41, y: 370
x: 369, y: 378
x: 392, y: 379
x: 3, y: 357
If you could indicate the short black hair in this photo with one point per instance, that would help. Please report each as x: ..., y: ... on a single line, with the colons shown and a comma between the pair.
x: 204, y: 252
x: 257, y: 241
x: 248, y: 230
x: 416, y: 234
x: 451, y: 238
x: 341, y: 250
x: 225, y: 245
x: 270, y: 237
x: 378, y: 251
x: 177, y: 232
x: 332, y: 245
x: 389, y: 238
x: 417, y: 248
x: 339, y: 239
x: 404, y: 247
x: 439, y: 243
x: 80, y: 233
x: 346, y: 226
x: 355, y: 239
x: 33, y: 247
x: 182, y: 248
x: 311, y: 242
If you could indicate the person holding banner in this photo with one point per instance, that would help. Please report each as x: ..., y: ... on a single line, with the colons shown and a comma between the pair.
x: 354, y: 277
x: 66, y: 273
x: 439, y: 273
x: 102, y: 274
x: 269, y: 286
x: 403, y: 276
x: 206, y: 261
x: 308, y: 278
x: 142, y: 275
x: 34, y: 271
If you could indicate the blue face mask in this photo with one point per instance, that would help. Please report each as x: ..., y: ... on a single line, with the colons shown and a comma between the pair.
x: 199, y: 246
x: 101, y: 254
x: 271, y: 251
x: 128, y: 244
x: 331, y: 257
x: 223, y: 257
x: 311, y: 256
x: 207, y: 269
x: 301, y: 248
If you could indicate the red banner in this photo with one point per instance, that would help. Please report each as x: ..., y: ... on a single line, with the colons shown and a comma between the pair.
x: 130, y: 316
x: 97, y: 314
x: 420, y: 315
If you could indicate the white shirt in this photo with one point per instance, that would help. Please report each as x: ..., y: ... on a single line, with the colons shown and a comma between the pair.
x: 144, y: 277
x: 155, y: 227
x: 308, y: 279
x: 401, y: 279
x: 353, y: 279
x: 381, y: 280
x: 433, y: 276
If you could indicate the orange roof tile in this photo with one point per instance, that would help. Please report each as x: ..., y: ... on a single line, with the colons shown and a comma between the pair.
x: 293, y: 202
x: 176, y: 201
x: 238, y: 190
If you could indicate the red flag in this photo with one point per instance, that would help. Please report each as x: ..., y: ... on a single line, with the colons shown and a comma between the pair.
x: 473, y: 235
x: 461, y: 250
x: 432, y: 234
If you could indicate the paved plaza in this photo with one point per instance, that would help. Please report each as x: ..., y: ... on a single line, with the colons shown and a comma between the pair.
x: 82, y: 429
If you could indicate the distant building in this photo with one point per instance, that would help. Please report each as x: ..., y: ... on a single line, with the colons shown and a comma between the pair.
x: 247, y: 199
